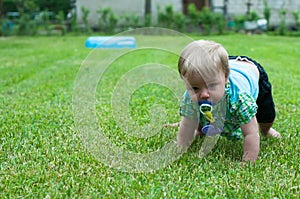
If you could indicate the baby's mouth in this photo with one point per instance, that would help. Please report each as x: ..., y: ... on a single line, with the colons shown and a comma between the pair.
x: 200, y: 102
x: 206, y: 108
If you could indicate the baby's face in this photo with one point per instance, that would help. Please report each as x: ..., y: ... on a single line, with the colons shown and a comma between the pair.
x: 209, y: 89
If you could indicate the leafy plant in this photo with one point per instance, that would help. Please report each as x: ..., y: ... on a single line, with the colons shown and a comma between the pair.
x: 60, y: 17
x: 192, y: 17
x: 282, y: 24
x: 220, y: 23
x: 296, y: 19
x: 7, y: 27
x: 107, y: 20
x: 239, y: 22
x: 25, y: 6
x: 130, y: 21
x: 169, y: 19
x: 193, y: 14
x: 267, y: 13
x: 29, y: 27
x: 85, y: 14
x: 207, y: 20
x: 148, y: 20
x: 252, y: 16
x: 165, y: 17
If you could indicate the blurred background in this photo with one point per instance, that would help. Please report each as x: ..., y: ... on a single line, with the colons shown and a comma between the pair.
x: 53, y: 17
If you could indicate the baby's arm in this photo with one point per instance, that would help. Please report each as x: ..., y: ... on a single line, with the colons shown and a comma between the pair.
x: 251, y: 140
x: 186, y: 132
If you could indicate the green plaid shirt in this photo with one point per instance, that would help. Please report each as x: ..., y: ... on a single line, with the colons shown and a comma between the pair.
x: 238, y: 110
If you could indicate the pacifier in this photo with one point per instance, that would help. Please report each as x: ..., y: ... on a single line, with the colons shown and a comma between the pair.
x: 206, y: 109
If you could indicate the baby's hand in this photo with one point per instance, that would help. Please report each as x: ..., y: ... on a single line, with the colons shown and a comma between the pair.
x: 199, y: 133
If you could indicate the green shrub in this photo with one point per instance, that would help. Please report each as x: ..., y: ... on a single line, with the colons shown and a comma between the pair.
x: 282, y: 24
x: 60, y: 17
x: 28, y: 26
x: 207, y: 20
x: 267, y: 13
x: 167, y: 18
x: 85, y: 14
x: 107, y: 20
x: 147, y: 20
x: 7, y: 27
x: 179, y: 21
x: 239, y: 22
x: 130, y: 21
x: 193, y: 14
x: 296, y: 19
x: 192, y: 17
x: 252, y: 16
x: 220, y: 23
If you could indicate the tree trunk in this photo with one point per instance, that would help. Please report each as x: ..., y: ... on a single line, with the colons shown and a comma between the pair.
x: 147, y: 7
x: 1, y: 9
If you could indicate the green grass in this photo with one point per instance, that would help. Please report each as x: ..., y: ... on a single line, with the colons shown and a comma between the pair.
x: 42, y: 154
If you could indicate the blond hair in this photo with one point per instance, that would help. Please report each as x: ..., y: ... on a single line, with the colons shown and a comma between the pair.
x: 206, y: 58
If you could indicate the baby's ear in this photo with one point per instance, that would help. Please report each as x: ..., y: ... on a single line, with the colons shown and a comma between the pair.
x: 227, y: 72
x: 226, y: 79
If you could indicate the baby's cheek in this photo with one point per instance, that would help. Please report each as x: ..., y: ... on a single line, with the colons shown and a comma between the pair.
x: 193, y: 96
x: 218, y: 96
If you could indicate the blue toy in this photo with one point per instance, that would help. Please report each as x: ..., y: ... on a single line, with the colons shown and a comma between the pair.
x: 114, y: 42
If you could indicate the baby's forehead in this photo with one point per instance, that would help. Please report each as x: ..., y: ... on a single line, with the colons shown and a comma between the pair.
x: 196, y: 78
x: 204, y: 73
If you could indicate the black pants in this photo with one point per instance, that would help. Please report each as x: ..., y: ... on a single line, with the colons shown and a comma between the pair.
x: 266, y: 108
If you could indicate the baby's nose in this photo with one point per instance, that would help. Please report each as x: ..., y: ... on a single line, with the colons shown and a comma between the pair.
x: 204, y: 94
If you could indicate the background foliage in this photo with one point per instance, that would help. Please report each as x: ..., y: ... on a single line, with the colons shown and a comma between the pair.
x: 49, y: 17
x: 36, y: 5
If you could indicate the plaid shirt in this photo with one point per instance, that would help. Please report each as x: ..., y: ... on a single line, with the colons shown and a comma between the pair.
x: 238, y: 110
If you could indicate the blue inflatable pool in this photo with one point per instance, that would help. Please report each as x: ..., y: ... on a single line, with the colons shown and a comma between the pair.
x: 116, y: 42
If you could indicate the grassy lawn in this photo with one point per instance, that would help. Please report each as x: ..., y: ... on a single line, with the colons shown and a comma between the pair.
x: 43, y: 155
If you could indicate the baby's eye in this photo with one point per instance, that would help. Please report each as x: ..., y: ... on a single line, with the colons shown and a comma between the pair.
x: 195, y: 88
x: 212, y: 86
